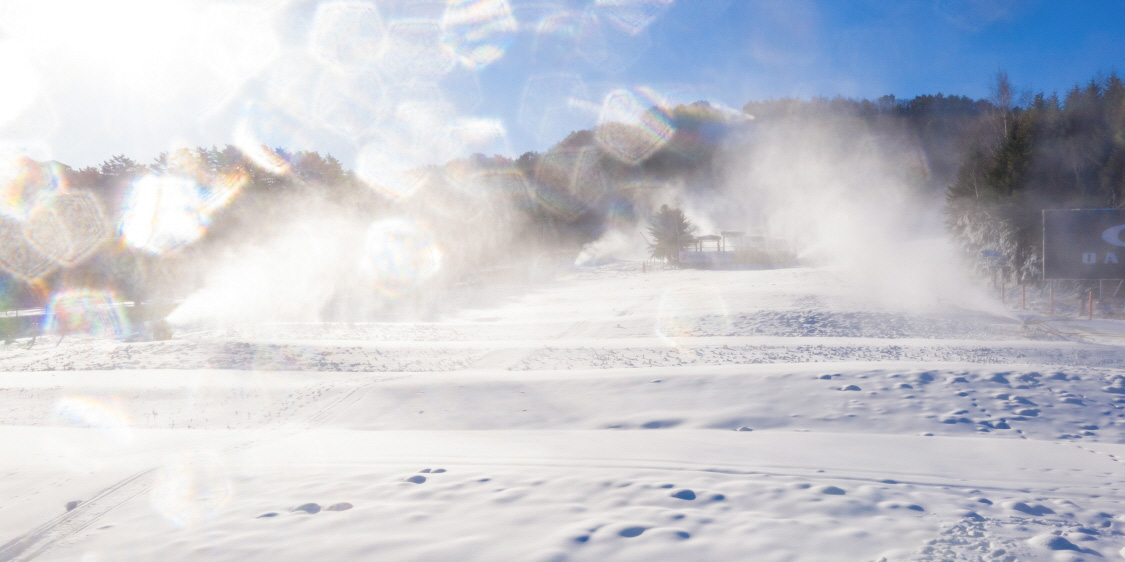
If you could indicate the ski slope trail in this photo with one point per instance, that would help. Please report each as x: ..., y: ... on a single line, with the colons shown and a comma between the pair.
x: 612, y: 414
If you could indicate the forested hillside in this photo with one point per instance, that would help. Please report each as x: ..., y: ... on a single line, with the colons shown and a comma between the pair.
x: 1046, y: 153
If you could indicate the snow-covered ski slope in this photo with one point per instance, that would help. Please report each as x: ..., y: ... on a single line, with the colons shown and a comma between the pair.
x: 609, y: 415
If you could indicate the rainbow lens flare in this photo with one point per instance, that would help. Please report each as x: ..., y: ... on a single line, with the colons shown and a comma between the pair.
x: 250, y: 143
x: 549, y: 103
x: 191, y: 488
x: 413, y: 51
x: 399, y: 255
x: 84, y: 311
x: 163, y: 213
x: 351, y: 104
x: 169, y: 211
x: 24, y: 184
x: 628, y: 130
x: 590, y: 37
x: 18, y: 257
x: 68, y: 228
x: 566, y: 181
x: 43, y: 224
x: 632, y: 16
x: 347, y: 34
x: 479, y: 31
x: 93, y: 413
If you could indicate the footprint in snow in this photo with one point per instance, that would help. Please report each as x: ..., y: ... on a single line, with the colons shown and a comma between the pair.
x: 342, y: 506
x: 634, y: 531
x: 675, y: 534
x: 416, y: 479
x: 70, y: 505
x: 307, y: 508
x: 1029, y: 509
x: 832, y: 491
x: 684, y: 494
x: 638, y: 530
x: 850, y: 387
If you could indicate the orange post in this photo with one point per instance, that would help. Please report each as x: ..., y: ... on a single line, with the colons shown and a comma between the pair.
x: 1090, y: 304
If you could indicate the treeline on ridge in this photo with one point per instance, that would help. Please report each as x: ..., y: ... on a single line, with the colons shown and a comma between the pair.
x: 998, y: 163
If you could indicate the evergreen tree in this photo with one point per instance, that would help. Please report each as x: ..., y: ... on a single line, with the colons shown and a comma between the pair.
x: 671, y: 232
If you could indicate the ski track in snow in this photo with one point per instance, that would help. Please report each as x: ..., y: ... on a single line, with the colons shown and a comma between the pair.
x: 676, y: 415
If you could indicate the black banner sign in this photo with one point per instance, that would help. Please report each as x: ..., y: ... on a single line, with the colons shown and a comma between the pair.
x: 1084, y: 244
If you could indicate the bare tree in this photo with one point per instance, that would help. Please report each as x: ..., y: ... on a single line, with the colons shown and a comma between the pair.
x: 1003, y: 97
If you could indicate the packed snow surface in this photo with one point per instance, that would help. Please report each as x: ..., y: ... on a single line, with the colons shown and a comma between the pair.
x: 777, y: 415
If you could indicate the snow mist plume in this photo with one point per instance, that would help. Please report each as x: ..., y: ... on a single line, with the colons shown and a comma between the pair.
x: 848, y: 197
x: 291, y: 277
x: 616, y: 244
x: 308, y: 259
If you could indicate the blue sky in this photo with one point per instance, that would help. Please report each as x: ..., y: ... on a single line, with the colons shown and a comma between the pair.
x: 396, y: 83
x: 737, y: 51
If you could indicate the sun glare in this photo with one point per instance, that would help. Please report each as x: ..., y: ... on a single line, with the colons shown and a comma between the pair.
x: 146, y: 51
x: 126, y: 30
x: 16, y: 71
